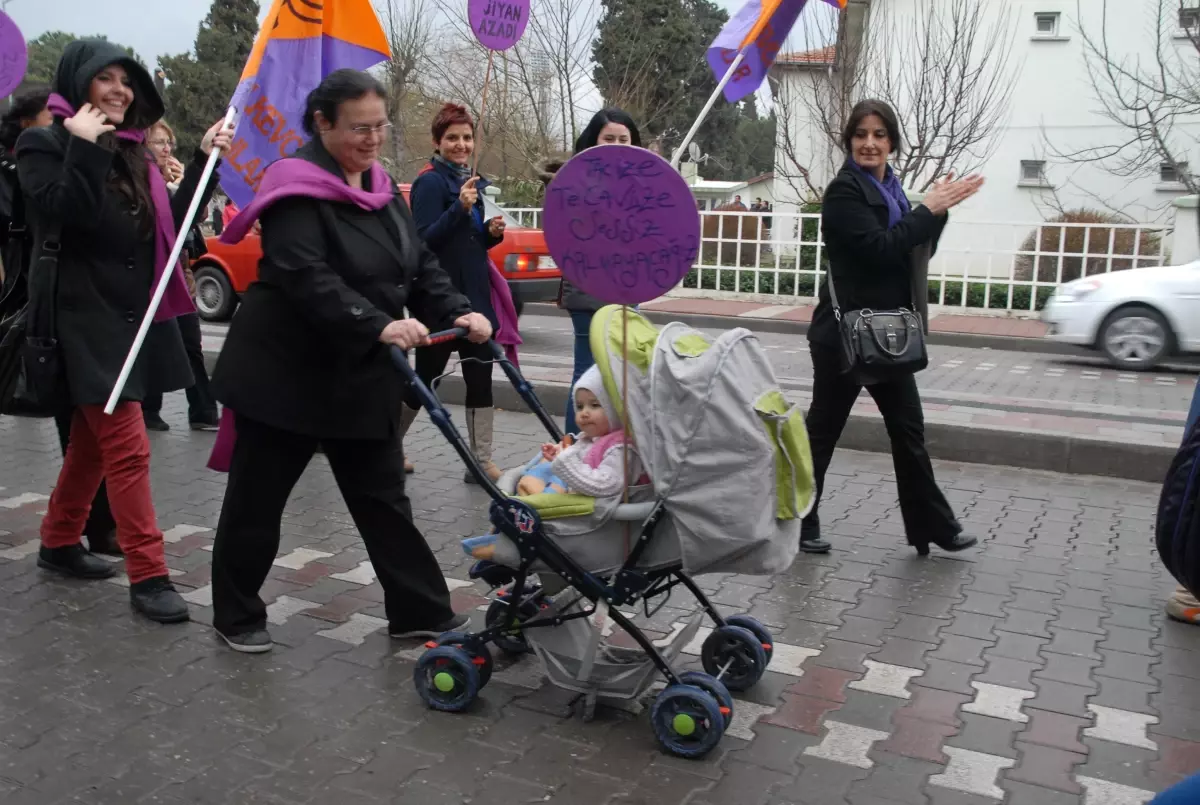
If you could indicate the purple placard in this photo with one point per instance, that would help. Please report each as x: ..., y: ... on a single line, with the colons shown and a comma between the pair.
x: 13, y: 56
x: 621, y: 224
x: 498, y: 24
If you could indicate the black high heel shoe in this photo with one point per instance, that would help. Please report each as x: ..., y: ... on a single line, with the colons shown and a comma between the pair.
x: 959, y: 542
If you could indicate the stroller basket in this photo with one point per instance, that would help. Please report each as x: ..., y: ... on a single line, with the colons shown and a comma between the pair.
x: 562, y: 610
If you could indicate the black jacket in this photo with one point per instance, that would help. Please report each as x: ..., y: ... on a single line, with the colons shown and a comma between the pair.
x: 106, y: 267
x: 871, y: 265
x: 303, y: 351
x: 448, y: 229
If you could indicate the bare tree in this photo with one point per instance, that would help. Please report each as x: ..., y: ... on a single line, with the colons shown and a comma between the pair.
x: 945, y: 68
x: 1148, y: 96
x: 410, y: 30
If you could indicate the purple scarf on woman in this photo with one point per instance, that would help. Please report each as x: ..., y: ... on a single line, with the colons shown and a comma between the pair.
x: 176, y: 301
x: 891, y: 190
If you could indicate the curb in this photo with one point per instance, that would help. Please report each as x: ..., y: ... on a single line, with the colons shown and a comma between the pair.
x: 787, y: 327
x: 1052, y: 452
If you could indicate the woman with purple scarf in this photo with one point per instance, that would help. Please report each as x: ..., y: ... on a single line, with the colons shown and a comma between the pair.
x: 871, y: 232
x: 94, y: 196
x: 307, y: 363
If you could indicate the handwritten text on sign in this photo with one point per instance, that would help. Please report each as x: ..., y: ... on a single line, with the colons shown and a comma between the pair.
x: 621, y: 224
x: 498, y: 24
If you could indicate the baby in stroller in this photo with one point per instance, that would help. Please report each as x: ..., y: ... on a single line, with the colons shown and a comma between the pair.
x: 594, y: 465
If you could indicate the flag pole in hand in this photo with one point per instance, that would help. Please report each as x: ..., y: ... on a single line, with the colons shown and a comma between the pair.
x: 168, y: 272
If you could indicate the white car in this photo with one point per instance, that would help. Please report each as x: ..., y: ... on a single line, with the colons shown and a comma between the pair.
x: 1137, y: 318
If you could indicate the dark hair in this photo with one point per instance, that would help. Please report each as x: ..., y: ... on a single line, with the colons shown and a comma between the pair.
x: 25, y: 106
x: 864, y: 109
x: 451, y: 114
x: 337, y: 88
x: 591, y: 134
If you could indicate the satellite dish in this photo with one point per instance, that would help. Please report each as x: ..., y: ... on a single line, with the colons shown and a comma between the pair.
x: 694, y: 152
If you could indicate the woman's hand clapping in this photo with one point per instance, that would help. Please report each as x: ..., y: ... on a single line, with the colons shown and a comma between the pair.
x: 88, y: 123
x: 405, y: 333
x: 951, y: 192
x: 478, y: 328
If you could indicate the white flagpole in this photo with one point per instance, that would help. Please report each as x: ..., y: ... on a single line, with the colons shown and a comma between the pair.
x: 168, y: 272
x: 712, y: 99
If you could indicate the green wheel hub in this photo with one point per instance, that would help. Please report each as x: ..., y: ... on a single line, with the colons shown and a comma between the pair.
x: 443, y: 681
x: 684, y: 725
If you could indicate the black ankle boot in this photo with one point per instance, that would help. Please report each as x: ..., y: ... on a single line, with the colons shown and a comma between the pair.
x: 73, y: 560
x: 959, y: 542
x: 811, y: 541
x: 158, y: 600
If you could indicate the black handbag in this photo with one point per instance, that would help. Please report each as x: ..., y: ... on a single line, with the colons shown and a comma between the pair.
x: 878, y: 345
x: 32, y: 381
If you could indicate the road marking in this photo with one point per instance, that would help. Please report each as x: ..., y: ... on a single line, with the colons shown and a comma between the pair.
x: 201, y: 596
x: 364, y: 574
x: 999, y: 701
x: 1102, y: 792
x: 284, y: 607
x: 298, y: 558
x: 23, y: 499
x: 176, y: 533
x: 21, y: 551
x: 356, y: 630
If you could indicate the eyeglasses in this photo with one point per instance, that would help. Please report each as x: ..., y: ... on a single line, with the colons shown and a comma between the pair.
x: 160, y: 143
x: 366, y: 131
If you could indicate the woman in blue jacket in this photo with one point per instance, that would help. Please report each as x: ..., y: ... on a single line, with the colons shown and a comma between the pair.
x: 447, y: 203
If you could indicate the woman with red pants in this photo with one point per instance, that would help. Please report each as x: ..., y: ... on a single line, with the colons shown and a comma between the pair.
x: 94, y: 196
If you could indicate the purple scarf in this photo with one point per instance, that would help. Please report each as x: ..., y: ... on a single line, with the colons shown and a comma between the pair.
x: 891, y: 190
x: 177, y: 301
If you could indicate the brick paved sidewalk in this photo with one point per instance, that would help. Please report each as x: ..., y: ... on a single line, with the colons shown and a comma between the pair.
x: 1037, y: 669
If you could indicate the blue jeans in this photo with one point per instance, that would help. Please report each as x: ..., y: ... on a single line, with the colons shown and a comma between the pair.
x: 1182, y: 793
x: 581, y: 323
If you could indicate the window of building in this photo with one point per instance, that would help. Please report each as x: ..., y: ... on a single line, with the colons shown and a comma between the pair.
x: 1033, y: 172
x: 1189, y: 19
x: 1046, y: 24
x: 1169, y: 173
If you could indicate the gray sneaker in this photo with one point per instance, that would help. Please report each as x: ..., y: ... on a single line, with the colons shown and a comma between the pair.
x: 256, y: 642
x: 456, y: 624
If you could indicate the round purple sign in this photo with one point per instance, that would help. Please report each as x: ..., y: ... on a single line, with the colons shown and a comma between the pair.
x: 13, y: 56
x: 498, y: 24
x: 622, y: 224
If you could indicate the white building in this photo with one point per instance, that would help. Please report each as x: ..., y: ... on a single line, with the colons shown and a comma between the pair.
x: 1052, y: 111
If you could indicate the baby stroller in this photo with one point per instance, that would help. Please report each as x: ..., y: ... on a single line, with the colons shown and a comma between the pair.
x: 697, y: 407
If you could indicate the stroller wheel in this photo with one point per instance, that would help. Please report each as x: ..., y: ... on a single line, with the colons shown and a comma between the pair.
x: 479, y: 654
x: 735, y: 656
x: 687, y: 721
x: 447, y: 679
x: 758, y: 630
x: 512, y: 642
x: 712, y: 686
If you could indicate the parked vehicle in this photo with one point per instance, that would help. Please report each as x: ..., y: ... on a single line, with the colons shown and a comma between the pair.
x: 1136, y: 318
x: 225, y: 273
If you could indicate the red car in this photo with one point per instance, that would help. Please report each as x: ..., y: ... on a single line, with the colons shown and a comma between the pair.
x: 225, y: 273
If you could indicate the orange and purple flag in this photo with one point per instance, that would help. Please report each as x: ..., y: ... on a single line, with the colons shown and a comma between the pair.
x: 301, y: 42
x: 759, y: 29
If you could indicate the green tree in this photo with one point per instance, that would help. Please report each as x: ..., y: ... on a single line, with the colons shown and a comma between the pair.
x: 200, y: 86
x: 47, y: 49
x: 650, y: 60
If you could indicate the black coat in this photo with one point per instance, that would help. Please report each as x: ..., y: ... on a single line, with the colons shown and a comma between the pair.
x: 106, y: 268
x: 303, y: 351
x: 871, y: 265
x: 452, y: 234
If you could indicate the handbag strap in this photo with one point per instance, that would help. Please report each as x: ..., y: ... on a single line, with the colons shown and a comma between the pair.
x: 837, y: 308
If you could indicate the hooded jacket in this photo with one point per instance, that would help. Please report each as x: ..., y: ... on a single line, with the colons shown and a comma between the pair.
x: 106, y: 264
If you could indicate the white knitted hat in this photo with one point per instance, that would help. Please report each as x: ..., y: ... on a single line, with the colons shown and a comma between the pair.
x: 593, y: 381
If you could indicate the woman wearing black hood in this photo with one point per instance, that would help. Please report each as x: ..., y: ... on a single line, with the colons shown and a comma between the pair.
x: 93, y: 195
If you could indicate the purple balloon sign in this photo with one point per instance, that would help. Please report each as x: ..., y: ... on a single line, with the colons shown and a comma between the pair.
x: 13, y: 56
x: 622, y: 224
x: 498, y: 24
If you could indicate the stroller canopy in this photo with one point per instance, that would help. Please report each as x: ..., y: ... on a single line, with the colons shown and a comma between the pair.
x: 725, y: 449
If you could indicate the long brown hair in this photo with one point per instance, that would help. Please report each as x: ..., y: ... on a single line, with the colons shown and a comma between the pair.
x: 130, y: 174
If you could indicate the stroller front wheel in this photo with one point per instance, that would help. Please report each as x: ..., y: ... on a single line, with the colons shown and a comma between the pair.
x: 735, y: 656
x: 687, y: 721
x: 757, y: 629
x: 480, y: 656
x: 447, y: 679
x: 713, y: 686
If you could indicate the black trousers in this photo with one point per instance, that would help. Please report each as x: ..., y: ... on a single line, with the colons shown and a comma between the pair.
x: 202, y: 406
x: 100, y: 521
x: 476, y: 369
x: 926, y: 513
x: 267, y: 463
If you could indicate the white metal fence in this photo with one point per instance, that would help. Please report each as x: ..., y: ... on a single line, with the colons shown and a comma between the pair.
x: 982, y: 265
